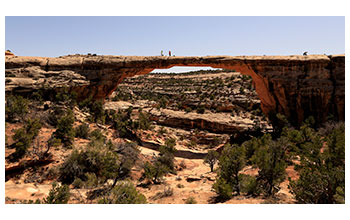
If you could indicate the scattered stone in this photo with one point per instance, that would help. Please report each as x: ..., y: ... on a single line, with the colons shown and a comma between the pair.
x: 193, y: 178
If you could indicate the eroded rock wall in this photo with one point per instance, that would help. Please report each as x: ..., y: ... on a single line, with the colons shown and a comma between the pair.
x: 295, y: 86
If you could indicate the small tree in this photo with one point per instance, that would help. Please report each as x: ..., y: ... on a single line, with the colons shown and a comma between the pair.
x: 58, y: 194
x: 123, y: 124
x: 16, y: 106
x: 162, y: 164
x: 154, y: 172
x: 144, y: 122
x: 97, y: 111
x: 65, y: 131
x: 211, y: 159
x: 82, y: 131
x: 271, y: 161
x: 231, y: 162
x: 166, y: 154
x: 97, y: 135
x: 24, y: 136
x: 223, y: 189
x: 128, y: 155
x: 124, y: 193
x: 96, y: 158
x: 322, y: 173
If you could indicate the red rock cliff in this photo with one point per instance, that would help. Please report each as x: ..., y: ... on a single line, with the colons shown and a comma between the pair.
x: 296, y: 86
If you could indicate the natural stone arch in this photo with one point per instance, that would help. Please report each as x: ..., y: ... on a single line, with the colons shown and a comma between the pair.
x: 260, y: 85
x: 296, y: 86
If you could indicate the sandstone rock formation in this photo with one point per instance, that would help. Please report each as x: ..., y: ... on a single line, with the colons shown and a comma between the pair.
x: 9, y: 53
x: 296, y: 86
x: 218, y: 123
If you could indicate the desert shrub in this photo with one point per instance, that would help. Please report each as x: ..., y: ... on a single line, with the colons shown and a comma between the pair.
x: 24, y: 137
x: 73, y: 167
x: 167, y: 160
x: 53, y: 142
x: 16, y: 106
x: 211, y: 159
x: 51, y: 173
x: 246, y: 77
x: 232, y: 160
x: 188, y: 109
x: 167, y: 192
x: 253, y: 144
x: 241, y: 90
x: 55, y: 115
x: 271, y: 161
x: 85, y: 103
x: 91, y: 180
x: 128, y: 155
x: 279, y: 122
x: 191, y: 200
x: 97, y: 112
x: 124, y: 193
x: 170, y: 144
x: 123, y: 124
x: 65, y: 96
x: 38, y: 96
x: 95, y: 107
x: 249, y: 185
x: 192, y: 144
x: 65, y: 131
x: 201, y: 109
x: 97, y: 135
x: 163, y: 102
x: 298, y: 138
x: 143, y: 122
x: 96, y: 159
x: 78, y: 183
x: 322, y: 173
x: 162, y: 131
x: 223, y: 189
x: 166, y: 155
x: 154, y: 171
x: 163, y: 164
x: 121, y: 95
x: 37, y: 201
x: 82, y: 131
x: 58, y: 194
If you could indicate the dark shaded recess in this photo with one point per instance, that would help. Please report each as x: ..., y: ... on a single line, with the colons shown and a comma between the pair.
x: 19, y: 169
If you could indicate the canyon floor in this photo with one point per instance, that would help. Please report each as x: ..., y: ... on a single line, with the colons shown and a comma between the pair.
x: 200, y: 111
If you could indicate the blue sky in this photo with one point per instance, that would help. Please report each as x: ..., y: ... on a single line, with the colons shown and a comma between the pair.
x: 184, y: 36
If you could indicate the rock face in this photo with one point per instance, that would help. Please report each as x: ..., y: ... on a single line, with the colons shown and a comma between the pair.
x: 9, y: 53
x: 295, y: 86
x: 217, y: 123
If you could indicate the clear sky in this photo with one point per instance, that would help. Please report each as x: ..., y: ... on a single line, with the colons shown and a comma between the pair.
x: 184, y: 36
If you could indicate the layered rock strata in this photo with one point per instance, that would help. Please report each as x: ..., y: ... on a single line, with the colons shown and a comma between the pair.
x: 295, y: 86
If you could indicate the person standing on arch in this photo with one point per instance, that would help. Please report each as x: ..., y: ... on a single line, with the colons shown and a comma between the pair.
x: 169, y: 53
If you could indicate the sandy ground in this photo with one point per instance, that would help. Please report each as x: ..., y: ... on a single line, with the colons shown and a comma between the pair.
x: 200, y: 189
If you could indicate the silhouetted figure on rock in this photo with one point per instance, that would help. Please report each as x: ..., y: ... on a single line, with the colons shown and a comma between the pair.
x: 305, y: 53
